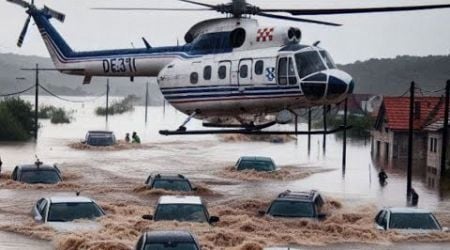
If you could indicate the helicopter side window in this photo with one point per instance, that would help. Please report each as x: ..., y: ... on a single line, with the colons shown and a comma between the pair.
x: 259, y: 67
x: 243, y: 71
x: 222, y: 72
x: 207, y: 73
x: 194, y: 78
x: 282, y: 71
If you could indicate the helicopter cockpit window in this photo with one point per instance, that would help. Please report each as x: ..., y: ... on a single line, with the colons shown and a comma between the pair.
x: 222, y: 72
x: 259, y: 67
x: 194, y: 78
x: 328, y: 60
x: 308, y: 62
x: 243, y: 71
x: 207, y: 73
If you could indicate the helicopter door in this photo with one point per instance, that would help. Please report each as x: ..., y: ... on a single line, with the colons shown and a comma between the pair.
x: 245, y: 73
x: 224, y: 73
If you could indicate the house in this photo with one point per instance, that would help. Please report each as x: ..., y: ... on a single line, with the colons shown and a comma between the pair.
x: 390, y: 133
x: 434, y: 152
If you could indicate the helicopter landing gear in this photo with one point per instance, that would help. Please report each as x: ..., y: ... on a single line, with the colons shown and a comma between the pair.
x: 182, y: 127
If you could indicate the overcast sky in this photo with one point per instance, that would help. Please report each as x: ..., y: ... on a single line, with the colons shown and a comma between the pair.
x: 361, y: 37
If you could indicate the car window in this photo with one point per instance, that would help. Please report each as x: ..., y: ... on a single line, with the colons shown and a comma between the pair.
x: 171, y: 246
x: 256, y: 165
x: 181, y: 212
x: 42, y: 207
x: 412, y: 221
x: 292, y: 209
x: 40, y: 176
x: 73, y: 211
x: 100, y: 140
x: 174, y: 185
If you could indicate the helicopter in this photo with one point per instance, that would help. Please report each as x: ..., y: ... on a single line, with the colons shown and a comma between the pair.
x: 230, y: 72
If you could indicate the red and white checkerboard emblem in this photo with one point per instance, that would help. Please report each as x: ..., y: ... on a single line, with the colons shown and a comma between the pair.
x: 264, y: 35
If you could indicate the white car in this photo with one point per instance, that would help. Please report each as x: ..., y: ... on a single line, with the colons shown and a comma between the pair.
x: 408, y: 220
x: 68, y: 213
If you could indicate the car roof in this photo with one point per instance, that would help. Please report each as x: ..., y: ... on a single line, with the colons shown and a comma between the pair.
x: 35, y: 167
x: 180, y: 199
x: 169, y: 236
x: 408, y: 210
x: 70, y: 199
x: 100, y: 132
x: 169, y: 177
x: 255, y: 158
x: 298, y: 196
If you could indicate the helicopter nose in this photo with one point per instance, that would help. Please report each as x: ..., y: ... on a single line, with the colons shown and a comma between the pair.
x: 339, y: 83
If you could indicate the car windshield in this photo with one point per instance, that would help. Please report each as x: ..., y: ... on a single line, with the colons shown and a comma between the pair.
x: 413, y: 221
x: 171, y: 246
x: 100, y: 141
x: 174, y: 185
x: 181, y: 212
x: 291, y: 209
x: 256, y: 165
x: 60, y: 212
x: 40, y: 176
x: 308, y: 62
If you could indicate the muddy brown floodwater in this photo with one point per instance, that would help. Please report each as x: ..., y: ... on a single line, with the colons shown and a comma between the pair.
x: 115, y: 176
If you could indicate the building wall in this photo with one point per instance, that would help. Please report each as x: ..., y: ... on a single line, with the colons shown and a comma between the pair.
x: 434, y: 149
x: 382, y: 143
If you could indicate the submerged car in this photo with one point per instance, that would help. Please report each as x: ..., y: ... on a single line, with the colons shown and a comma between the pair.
x: 169, y: 182
x: 296, y: 205
x: 255, y: 163
x: 407, y: 219
x: 100, y: 138
x: 60, y: 212
x: 173, y: 240
x: 181, y: 208
x: 37, y: 173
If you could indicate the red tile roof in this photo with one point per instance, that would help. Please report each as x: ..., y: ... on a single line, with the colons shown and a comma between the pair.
x: 397, y: 112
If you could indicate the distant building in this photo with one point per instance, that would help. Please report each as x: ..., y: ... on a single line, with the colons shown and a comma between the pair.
x: 434, y: 152
x: 362, y: 104
x: 390, y: 133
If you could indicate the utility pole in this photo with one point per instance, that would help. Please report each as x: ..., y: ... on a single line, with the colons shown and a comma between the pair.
x: 146, y: 102
x: 309, y: 130
x: 344, y: 141
x: 445, y: 130
x: 107, y: 99
x: 410, y: 140
x: 36, y: 103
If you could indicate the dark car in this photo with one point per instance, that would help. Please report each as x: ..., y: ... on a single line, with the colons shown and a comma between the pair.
x: 181, y: 208
x: 37, y: 173
x: 169, y: 182
x: 100, y: 138
x: 407, y: 219
x: 255, y: 163
x: 297, y: 204
x: 172, y: 240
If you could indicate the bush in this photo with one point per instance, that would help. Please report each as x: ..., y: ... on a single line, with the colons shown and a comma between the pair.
x: 16, y: 120
x: 121, y: 107
x: 59, y: 115
x: 45, y: 112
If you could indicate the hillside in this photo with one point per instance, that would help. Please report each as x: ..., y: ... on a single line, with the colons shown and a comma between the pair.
x: 377, y: 76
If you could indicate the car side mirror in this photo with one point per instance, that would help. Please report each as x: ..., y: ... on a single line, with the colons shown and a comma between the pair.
x: 147, y: 217
x: 214, y: 219
x: 261, y: 212
x: 321, y: 216
x: 38, y: 218
x: 445, y: 229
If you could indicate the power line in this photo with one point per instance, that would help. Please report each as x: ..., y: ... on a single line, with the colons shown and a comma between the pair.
x: 17, y: 93
x: 68, y: 100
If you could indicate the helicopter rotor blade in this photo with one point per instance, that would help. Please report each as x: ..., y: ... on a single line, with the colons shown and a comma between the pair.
x: 23, y: 32
x: 296, y: 12
x: 151, y: 9
x: 199, y: 3
x: 297, y: 19
x: 21, y: 3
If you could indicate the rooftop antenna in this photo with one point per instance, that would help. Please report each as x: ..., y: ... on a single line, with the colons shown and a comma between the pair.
x: 316, y: 43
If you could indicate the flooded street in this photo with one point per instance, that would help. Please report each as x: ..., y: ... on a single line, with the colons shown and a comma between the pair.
x: 115, y: 178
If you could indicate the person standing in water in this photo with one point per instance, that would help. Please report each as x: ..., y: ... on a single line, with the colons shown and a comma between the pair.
x: 136, y: 138
x: 127, y: 138
x: 382, y: 176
